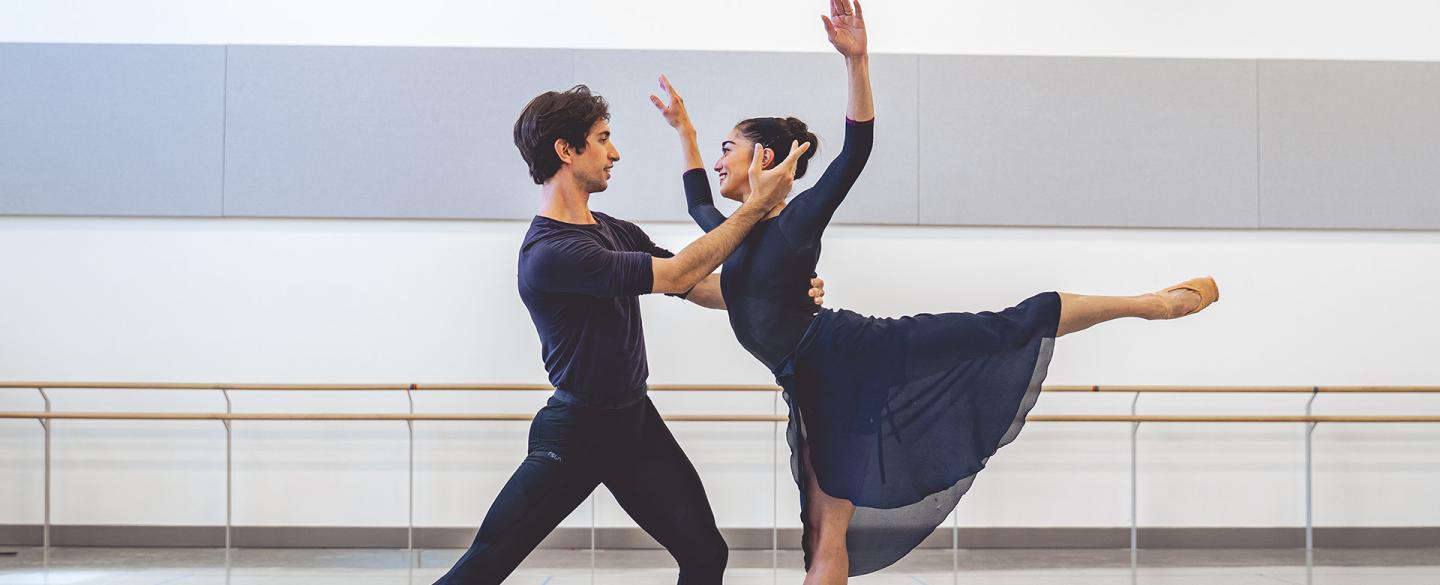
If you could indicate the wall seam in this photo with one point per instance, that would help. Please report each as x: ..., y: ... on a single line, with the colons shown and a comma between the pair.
x: 919, y: 198
x: 1259, y: 195
x: 224, y: 128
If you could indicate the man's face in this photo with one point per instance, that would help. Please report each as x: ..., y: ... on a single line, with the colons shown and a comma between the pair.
x: 592, y: 167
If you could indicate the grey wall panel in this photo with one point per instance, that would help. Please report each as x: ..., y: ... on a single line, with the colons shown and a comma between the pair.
x: 721, y: 89
x: 1087, y: 142
x: 111, y: 130
x: 1350, y: 144
x: 382, y: 132
x: 426, y: 132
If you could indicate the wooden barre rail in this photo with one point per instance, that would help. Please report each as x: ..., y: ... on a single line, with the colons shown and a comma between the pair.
x: 694, y: 417
x: 680, y: 387
x: 46, y: 418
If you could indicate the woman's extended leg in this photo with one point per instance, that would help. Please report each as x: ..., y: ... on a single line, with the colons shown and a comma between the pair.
x: 1080, y: 312
x: 828, y: 519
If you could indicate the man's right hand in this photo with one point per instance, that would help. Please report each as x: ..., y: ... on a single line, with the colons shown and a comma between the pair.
x: 769, y: 187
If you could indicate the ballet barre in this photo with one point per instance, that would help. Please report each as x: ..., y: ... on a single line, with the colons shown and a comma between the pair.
x: 523, y: 417
x: 1310, y: 420
x: 528, y: 387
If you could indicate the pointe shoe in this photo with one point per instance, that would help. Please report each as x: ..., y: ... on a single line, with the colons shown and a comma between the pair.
x: 1204, y: 286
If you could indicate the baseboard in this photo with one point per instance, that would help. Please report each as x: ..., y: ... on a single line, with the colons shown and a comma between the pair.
x: 738, y: 538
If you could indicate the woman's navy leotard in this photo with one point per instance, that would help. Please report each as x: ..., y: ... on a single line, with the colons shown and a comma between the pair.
x: 767, y: 279
x: 898, y: 414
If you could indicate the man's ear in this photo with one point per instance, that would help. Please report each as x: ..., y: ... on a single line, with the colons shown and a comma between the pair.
x: 563, y: 150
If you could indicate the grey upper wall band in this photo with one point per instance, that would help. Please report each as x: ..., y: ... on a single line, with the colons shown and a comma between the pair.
x: 111, y: 130
x: 378, y: 132
x: 1099, y: 142
x: 381, y: 132
x: 1350, y: 145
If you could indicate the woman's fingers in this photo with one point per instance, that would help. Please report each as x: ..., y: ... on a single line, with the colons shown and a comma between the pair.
x: 670, y: 89
x: 676, y: 104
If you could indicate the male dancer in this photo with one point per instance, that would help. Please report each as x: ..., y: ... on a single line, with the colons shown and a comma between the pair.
x: 580, y: 275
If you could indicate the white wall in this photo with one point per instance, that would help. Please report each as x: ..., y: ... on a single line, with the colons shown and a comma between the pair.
x: 1290, y: 29
x: 333, y: 301
x: 312, y: 301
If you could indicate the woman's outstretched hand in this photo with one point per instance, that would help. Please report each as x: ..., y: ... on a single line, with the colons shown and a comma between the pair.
x: 675, y: 114
x: 846, y: 28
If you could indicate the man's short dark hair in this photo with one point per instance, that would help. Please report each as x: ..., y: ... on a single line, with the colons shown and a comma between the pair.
x: 553, y: 115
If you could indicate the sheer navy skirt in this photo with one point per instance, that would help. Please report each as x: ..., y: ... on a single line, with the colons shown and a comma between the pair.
x: 899, y: 414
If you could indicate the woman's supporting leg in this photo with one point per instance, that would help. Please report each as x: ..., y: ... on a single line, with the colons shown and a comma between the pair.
x: 828, y: 518
x: 1080, y: 312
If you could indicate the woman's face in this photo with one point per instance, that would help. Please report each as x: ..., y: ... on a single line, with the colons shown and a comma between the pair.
x: 733, y: 167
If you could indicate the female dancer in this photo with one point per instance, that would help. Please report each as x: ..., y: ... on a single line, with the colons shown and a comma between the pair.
x: 890, y: 419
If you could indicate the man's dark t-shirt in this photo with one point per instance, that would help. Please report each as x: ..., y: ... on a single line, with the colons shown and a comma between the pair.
x: 581, y: 284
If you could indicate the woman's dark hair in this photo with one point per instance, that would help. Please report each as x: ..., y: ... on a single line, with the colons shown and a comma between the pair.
x: 777, y: 133
x: 553, y: 115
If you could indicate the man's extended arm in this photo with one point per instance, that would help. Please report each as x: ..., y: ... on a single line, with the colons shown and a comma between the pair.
x: 703, y: 256
x: 708, y: 293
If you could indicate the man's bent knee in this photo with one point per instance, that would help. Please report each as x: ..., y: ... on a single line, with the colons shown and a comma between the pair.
x: 704, y: 562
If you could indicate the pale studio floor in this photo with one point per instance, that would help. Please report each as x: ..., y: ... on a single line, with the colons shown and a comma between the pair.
x: 553, y: 567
